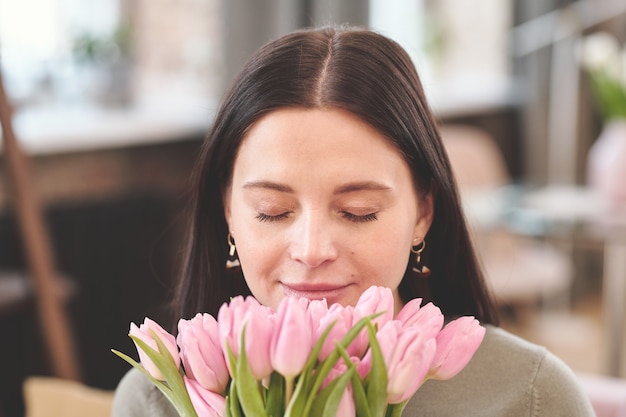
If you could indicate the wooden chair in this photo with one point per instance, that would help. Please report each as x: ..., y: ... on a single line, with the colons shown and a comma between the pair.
x: 55, y: 397
x: 46, y: 285
x: 521, y: 271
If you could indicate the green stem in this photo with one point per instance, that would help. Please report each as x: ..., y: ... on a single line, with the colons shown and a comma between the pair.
x: 288, y: 389
x: 395, y: 410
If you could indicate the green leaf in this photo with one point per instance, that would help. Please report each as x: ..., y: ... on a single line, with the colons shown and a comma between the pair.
x: 251, y: 402
x: 377, y: 378
x: 160, y: 385
x: 175, y: 389
x: 232, y: 361
x: 304, y: 385
x: 228, y: 405
x: 234, y: 407
x: 358, y: 391
x: 165, y: 363
x: 326, y: 403
x: 328, y: 363
x: 610, y: 95
x: 275, y: 404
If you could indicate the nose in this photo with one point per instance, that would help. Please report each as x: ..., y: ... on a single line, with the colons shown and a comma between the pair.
x: 312, y: 240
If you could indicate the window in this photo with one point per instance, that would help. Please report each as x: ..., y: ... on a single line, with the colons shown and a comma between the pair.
x: 460, y: 47
x: 108, y: 52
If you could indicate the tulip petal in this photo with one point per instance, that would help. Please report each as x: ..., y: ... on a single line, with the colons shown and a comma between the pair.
x: 456, y: 345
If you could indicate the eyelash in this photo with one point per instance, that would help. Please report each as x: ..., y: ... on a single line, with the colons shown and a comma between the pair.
x: 262, y: 217
x: 359, y: 219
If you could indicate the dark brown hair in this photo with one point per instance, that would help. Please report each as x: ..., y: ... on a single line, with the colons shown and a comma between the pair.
x: 371, y: 76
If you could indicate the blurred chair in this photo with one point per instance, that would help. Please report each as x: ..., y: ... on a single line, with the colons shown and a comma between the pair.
x: 521, y: 271
x: 55, y: 397
x: 37, y: 247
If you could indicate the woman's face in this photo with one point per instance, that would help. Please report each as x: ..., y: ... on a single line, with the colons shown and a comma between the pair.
x: 321, y: 205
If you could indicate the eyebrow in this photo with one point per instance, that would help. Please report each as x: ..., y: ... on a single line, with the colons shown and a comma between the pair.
x: 361, y: 186
x: 343, y: 189
x: 268, y: 185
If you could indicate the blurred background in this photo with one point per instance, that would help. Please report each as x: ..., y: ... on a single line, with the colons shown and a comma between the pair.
x: 111, y: 100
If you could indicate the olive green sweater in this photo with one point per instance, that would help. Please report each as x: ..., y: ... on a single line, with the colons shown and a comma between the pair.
x: 506, y: 377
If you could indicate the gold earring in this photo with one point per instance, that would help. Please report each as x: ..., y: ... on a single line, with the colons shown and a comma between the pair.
x: 419, y: 269
x: 233, y: 260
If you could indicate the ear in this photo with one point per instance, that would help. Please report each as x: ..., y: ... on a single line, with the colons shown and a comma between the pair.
x: 426, y: 210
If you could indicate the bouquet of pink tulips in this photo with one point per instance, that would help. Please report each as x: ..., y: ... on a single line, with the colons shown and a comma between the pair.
x: 304, y: 359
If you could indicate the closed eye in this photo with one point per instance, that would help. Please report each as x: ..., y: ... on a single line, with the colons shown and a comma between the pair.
x: 359, y: 218
x: 262, y: 217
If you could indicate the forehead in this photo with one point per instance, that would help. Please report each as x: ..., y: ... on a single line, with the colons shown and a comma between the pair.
x: 325, y: 146
x: 299, y: 130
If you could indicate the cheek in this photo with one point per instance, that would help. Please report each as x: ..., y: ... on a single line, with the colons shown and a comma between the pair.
x: 259, y: 252
x: 384, y: 260
x: 255, y: 253
x: 388, y: 253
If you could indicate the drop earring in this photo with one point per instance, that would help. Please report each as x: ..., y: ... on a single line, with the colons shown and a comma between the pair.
x: 420, y: 269
x: 233, y: 260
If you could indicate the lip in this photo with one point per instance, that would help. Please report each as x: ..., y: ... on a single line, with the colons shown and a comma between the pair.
x: 331, y: 292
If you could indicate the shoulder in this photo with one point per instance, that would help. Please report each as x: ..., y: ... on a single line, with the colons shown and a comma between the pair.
x: 506, y: 376
x: 137, y: 396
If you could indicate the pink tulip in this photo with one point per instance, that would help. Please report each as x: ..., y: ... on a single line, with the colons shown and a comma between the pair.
x: 206, y: 402
x: 343, y: 319
x: 258, y: 322
x: 292, y: 337
x: 408, y: 354
x: 143, y: 333
x: 428, y: 318
x: 375, y: 300
x: 456, y: 344
x: 201, y: 352
x: 346, y: 404
x: 363, y: 367
x: 316, y: 309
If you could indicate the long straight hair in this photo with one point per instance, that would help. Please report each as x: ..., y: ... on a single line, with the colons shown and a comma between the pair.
x: 372, y: 77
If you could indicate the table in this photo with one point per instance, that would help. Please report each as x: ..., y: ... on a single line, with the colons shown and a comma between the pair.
x: 567, y: 212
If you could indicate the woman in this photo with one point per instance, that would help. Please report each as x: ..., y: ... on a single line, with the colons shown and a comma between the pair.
x: 324, y: 174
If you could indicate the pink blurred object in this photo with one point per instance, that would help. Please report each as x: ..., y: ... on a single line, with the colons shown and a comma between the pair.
x: 607, y: 394
x: 606, y: 168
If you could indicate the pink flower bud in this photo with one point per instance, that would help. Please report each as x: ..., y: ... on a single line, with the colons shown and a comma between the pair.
x: 408, y: 354
x: 343, y: 319
x: 201, y: 352
x: 257, y: 320
x: 316, y: 309
x: 346, y: 404
x: 428, y: 318
x: 375, y: 300
x: 143, y: 333
x: 456, y: 344
x: 206, y: 402
x: 292, y: 338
